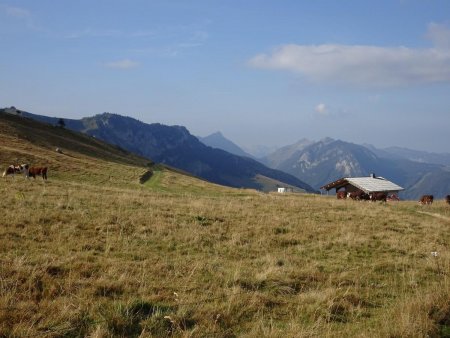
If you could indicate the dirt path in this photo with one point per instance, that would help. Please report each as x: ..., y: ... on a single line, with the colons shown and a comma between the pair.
x: 435, y: 215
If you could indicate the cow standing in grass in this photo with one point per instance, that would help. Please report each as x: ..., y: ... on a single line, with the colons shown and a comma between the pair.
x: 447, y: 199
x: 393, y: 197
x: 16, y: 169
x: 33, y: 171
x: 426, y: 199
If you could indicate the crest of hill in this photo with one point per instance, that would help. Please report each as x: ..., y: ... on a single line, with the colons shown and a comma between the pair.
x: 85, y: 159
x: 48, y: 137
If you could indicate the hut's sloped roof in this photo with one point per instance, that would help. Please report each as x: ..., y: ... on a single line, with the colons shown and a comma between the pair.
x: 366, y: 184
x: 372, y: 184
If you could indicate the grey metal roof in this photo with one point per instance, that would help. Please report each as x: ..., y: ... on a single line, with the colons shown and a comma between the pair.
x: 372, y: 184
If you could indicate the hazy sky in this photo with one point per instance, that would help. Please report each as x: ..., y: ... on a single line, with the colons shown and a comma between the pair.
x: 261, y: 71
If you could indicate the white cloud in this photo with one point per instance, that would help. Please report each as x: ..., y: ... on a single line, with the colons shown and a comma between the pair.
x: 17, y: 12
x: 363, y: 64
x: 122, y: 64
x: 22, y: 16
x: 321, y: 109
x: 439, y: 34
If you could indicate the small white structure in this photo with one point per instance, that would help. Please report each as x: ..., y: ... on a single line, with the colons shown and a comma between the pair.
x: 283, y: 190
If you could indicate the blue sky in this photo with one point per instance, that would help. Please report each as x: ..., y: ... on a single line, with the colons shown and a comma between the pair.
x: 262, y: 72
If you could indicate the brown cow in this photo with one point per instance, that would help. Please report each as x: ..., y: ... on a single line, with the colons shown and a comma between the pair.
x: 378, y: 196
x: 426, y: 199
x: 393, y: 197
x: 33, y: 171
x: 447, y: 199
x: 341, y: 195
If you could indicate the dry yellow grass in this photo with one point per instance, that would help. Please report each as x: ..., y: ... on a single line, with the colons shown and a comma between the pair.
x: 177, y: 256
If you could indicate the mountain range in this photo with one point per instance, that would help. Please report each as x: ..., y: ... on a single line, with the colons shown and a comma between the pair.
x: 176, y: 147
x: 221, y: 161
x: 412, y: 155
x: 326, y: 160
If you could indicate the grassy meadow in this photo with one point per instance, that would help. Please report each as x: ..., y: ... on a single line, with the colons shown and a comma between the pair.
x: 93, y: 252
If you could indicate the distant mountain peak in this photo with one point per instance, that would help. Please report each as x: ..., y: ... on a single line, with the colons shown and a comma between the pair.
x: 219, y: 141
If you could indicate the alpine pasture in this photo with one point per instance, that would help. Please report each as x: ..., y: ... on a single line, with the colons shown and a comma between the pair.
x: 113, y: 245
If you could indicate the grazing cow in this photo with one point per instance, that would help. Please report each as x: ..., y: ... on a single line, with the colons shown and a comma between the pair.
x: 16, y: 169
x: 378, y: 196
x: 447, y: 199
x: 393, y: 197
x: 341, y: 195
x: 358, y: 195
x: 33, y: 171
x: 426, y: 199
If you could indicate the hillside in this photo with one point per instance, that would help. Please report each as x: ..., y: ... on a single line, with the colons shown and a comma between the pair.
x: 42, y: 135
x: 283, y: 154
x: 436, y: 183
x: 83, y: 259
x: 412, y: 155
x: 86, y: 159
x: 175, y: 146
